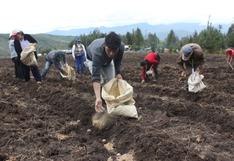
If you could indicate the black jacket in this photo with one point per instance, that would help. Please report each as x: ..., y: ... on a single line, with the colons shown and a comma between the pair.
x: 18, y: 47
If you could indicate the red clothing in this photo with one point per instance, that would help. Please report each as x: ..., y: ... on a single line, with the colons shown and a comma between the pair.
x: 152, y: 58
x: 230, y: 52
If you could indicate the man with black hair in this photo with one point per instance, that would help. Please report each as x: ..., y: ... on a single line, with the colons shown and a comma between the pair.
x: 104, y: 58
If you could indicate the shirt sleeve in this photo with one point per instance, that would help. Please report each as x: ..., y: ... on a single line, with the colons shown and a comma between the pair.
x: 179, y: 60
x: 73, y: 51
x: 12, y: 50
x: 96, y: 67
x: 84, y: 51
x: 31, y: 39
x: 118, y: 60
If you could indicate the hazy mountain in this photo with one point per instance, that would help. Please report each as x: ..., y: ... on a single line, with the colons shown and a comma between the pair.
x: 45, y: 42
x: 181, y: 29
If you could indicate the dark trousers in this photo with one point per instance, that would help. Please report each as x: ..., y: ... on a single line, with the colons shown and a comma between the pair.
x: 79, y: 64
x: 35, y: 72
x: 18, y: 68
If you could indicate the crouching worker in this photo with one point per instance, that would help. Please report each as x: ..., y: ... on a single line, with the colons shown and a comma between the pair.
x: 104, y: 58
x: 55, y: 57
x: 191, y: 57
x: 150, y: 64
x: 230, y: 54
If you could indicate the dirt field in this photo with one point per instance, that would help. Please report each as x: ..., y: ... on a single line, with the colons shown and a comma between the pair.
x: 52, y: 121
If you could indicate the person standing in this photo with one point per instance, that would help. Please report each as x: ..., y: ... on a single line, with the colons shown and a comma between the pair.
x: 14, y: 56
x: 22, y: 41
x: 79, y: 56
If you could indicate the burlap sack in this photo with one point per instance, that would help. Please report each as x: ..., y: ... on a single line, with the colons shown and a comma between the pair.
x: 68, y: 72
x: 118, y: 95
x: 28, y: 55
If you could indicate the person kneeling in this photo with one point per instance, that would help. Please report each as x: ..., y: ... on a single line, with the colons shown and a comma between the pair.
x: 150, y: 66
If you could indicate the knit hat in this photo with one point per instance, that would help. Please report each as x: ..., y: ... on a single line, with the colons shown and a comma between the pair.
x: 187, y: 52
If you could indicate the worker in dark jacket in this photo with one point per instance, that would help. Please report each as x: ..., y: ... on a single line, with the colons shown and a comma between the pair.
x: 55, y: 57
x: 104, y: 58
x: 150, y: 63
x: 191, y: 56
x: 22, y: 41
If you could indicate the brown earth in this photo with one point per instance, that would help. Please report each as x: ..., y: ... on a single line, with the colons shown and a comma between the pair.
x: 52, y: 121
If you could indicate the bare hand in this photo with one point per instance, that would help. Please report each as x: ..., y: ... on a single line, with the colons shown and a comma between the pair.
x: 98, y: 105
x: 119, y: 76
x: 183, y: 74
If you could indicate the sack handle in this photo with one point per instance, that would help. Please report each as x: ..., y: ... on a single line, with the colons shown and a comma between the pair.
x: 192, y: 67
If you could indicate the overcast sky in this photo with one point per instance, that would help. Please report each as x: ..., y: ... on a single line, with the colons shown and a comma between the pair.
x: 38, y: 16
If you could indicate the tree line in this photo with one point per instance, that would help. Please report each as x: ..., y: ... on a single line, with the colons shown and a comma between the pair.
x: 211, y: 39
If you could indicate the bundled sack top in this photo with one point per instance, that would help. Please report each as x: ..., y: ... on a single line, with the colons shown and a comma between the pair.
x: 118, y: 95
x: 195, y: 83
x: 28, y: 55
x: 68, y: 72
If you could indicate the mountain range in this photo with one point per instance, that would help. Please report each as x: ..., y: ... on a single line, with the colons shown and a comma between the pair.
x: 180, y: 29
x: 59, y: 39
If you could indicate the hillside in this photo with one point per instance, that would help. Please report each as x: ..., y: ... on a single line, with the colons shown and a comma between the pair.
x: 46, y: 42
x: 180, y: 29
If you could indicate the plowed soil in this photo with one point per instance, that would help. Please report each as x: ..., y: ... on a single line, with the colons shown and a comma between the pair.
x: 52, y: 121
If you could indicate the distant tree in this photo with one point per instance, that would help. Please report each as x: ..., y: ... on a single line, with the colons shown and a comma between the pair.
x: 172, y: 41
x: 129, y: 38
x: 230, y: 36
x: 152, y: 41
x: 87, y: 39
x: 211, y: 39
x: 189, y: 39
x: 138, y: 39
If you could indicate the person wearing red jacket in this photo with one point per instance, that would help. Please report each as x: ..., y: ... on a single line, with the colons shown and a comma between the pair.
x: 230, y: 54
x: 150, y: 63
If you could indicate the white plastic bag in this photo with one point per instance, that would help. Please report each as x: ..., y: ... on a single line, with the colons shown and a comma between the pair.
x: 195, y: 83
x: 118, y: 95
x: 28, y: 55
x: 149, y: 72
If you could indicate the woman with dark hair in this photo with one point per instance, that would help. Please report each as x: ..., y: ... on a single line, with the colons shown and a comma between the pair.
x: 22, y: 41
x: 14, y: 57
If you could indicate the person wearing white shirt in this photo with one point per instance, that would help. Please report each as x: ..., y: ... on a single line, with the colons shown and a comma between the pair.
x: 79, y: 56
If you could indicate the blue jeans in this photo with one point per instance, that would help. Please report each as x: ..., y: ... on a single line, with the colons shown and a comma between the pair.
x: 79, y: 64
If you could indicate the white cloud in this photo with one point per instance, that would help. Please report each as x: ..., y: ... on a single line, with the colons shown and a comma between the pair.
x: 35, y: 16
